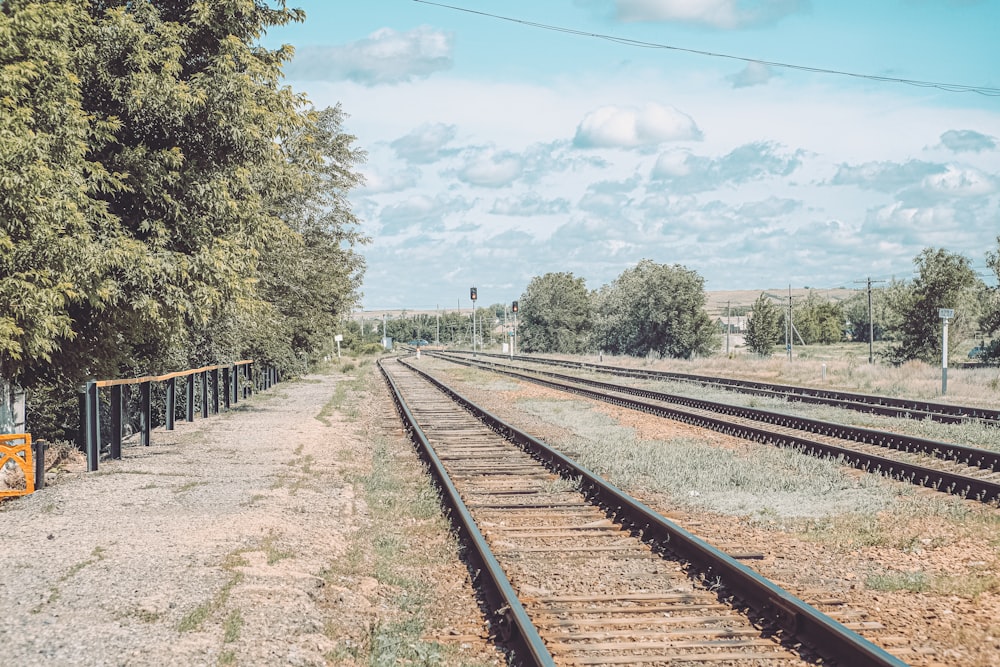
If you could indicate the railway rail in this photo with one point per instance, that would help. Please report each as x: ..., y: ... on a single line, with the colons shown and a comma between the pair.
x: 888, y: 406
x: 575, y: 572
x: 969, y: 472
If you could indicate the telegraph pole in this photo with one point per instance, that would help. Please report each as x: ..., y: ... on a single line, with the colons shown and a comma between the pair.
x: 729, y: 326
x: 790, y: 342
x: 871, y: 320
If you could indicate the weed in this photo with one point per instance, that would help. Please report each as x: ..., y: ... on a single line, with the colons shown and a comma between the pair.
x: 232, y: 627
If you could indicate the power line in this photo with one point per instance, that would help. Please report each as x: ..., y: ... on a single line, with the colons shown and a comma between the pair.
x: 947, y: 87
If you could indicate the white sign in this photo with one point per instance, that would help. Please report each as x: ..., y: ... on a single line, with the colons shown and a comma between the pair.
x: 946, y: 313
x: 338, y: 338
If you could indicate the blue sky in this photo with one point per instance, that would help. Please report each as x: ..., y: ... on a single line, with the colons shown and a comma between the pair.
x: 499, y: 151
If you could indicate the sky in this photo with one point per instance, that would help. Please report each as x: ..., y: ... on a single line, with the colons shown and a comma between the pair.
x: 499, y: 150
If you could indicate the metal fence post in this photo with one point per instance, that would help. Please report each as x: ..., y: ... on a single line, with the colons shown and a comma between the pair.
x: 93, y: 427
x: 116, y: 421
x: 215, y: 390
x: 145, y: 412
x: 204, y: 394
x: 190, y: 398
x: 171, y: 403
x: 227, y: 384
x: 39, y: 453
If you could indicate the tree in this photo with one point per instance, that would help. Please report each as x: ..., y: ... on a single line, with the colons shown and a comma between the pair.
x: 764, y: 328
x: 49, y: 258
x: 657, y: 308
x: 554, y: 314
x: 819, y: 320
x: 944, y: 280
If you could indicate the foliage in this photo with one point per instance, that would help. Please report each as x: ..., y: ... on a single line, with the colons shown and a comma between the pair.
x: 554, y: 314
x: 990, y: 322
x: 944, y: 280
x: 656, y: 308
x: 764, y: 327
x: 164, y: 200
x: 819, y: 320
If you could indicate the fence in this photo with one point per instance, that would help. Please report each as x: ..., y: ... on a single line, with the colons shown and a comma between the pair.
x: 221, y: 385
x: 17, y: 448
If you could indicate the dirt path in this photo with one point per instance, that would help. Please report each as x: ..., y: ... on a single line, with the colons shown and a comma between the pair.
x: 213, y: 546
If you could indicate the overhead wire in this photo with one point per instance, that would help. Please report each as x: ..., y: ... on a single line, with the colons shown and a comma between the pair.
x: 947, y: 87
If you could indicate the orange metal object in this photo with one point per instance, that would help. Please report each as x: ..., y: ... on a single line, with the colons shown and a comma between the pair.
x: 23, y: 456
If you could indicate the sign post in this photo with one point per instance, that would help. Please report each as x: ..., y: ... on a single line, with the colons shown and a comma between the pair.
x: 945, y: 314
x: 338, y: 338
x: 473, y: 294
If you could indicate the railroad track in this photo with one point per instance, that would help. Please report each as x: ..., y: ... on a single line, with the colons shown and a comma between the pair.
x: 968, y: 472
x: 871, y: 403
x: 575, y: 572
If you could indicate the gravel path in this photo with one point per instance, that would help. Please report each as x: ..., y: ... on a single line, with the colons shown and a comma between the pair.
x: 206, y: 548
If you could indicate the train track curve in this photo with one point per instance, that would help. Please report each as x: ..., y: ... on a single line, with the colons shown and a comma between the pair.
x: 888, y: 406
x: 578, y: 573
x: 968, y: 472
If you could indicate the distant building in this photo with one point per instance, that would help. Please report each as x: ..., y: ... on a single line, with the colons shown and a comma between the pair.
x: 736, y: 323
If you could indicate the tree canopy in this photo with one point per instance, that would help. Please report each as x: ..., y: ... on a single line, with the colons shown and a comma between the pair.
x: 764, y: 327
x: 658, y: 308
x: 164, y: 199
x: 555, y: 315
x: 944, y: 280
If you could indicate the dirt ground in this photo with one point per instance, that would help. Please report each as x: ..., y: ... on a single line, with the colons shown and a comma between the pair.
x: 242, y: 539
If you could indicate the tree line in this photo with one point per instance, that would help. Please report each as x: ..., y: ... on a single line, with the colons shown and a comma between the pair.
x: 165, y: 200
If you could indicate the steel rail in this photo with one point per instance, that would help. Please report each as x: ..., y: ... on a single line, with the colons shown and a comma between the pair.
x: 823, y: 634
x: 954, y: 483
x: 513, y: 620
x: 872, y: 403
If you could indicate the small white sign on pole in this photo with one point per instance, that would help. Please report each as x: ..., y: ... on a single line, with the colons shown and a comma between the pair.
x: 338, y: 338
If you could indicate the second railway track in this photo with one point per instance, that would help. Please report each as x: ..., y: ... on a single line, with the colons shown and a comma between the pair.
x: 968, y: 472
x: 578, y: 573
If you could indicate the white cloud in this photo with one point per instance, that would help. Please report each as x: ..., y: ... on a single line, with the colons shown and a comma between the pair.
x: 628, y: 127
x: 960, y: 182
x: 968, y: 140
x: 385, y: 56
x: 754, y: 74
x: 693, y: 173
x: 429, y: 213
x: 377, y: 182
x: 424, y: 144
x: 723, y: 14
x: 886, y: 176
x: 528, y: 205
x: 490, y: 168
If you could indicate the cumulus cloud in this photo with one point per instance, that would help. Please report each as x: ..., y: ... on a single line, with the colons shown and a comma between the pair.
x: 722, y: 14
x: 772, y: 207
x: 683, y: 172
x: 491, y: 168
x: 627, y: 127
x: 528, y: 205
x: 968, y: 140
x: 384, y: 57
x: 886, y: 176
x: 424, y: 144
x: 377, y: 182
x: 754, y: 74
x: 426, y: 211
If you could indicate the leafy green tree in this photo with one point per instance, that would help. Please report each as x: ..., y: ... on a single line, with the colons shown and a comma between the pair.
x: 657, y: 308
x: 944, y: 280
x: 764, y: 328
x: 554, y: 315
x: 48, y: 254
x: 819, y: 320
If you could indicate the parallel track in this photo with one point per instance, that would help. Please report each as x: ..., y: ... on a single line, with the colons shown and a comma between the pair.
x: 965, y: 471
x: 871, y: 403
x: 582, y: 574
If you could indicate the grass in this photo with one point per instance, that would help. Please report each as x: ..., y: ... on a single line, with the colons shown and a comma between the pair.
x: 965, y: 586
x: 343, y: 390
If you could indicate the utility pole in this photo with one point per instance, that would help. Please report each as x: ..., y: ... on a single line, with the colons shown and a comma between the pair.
x: 729, y: 326
x: 871, y: 319
x: 788, y: 333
